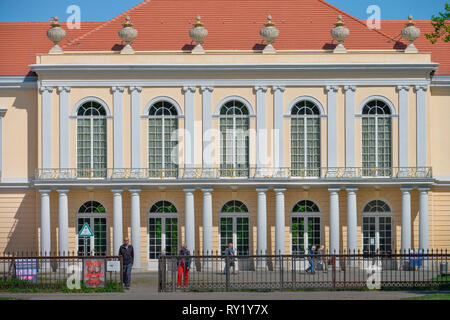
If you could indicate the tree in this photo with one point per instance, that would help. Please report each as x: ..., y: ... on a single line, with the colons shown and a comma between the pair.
x: 441, y: 26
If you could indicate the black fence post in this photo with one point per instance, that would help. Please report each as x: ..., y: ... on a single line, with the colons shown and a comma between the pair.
x: 281, y: 273
x: 333, y: 266
x: 227, y: 274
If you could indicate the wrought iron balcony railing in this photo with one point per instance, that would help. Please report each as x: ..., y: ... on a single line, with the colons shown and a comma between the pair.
x: 234, y: 173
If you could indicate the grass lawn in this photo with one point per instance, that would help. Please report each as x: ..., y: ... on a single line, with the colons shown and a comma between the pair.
x: 432, y: 296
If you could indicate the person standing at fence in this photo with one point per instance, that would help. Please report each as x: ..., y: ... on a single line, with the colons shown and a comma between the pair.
x: 312, y: 251
x: 322, y: 263
x: 183, y: 265
x: 229, y: 253
x: 127, y: 253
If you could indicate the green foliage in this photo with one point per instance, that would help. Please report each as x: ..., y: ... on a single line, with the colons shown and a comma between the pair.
x: 441, y: 26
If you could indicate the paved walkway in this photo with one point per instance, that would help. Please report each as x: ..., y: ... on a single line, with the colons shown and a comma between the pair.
x: 144, y: 287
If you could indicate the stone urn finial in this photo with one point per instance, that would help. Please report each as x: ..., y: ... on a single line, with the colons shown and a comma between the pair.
x: 56, y: 34
x: 340, y: 33
x: 411, y: 33
x: 269, y: 33
x: 198, y: 34
x: 127, y: 34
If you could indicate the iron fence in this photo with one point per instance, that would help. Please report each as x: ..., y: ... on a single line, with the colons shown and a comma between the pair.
x: 50, y: 271
x: 290, y: 272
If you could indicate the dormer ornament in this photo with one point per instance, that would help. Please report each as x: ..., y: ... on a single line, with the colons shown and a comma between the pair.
x: 127, y: 34
x: 56, y: 34
x: 411, y: 33
x: 269, y: 33
x: 198, y: 34
x: 340, y: 33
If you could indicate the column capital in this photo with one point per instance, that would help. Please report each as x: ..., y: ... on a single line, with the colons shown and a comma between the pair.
x: 207, y: 190
x: 62, y: 191
x: 189, y: 190
x: 332, y: 88
x: 134, y: 190
x: 334, y: 189
x: 279, y: 190
x: 115, y: 89
x: 189, y: 89
x: 63, y: 89
x: 349, y: 88
x: 45, y: 191
x: 278, y: 88
x: 115, y: 191
x: 406, y: 189
x: 261, y: 190
x: 206, y: 88
x: 423, y: 189
x: 3, y: 112
x: 351, y: 189
x: 403, y: 88
x: 421, y: 88
x: 45, y: 89
x: 134, y: 89
x: 262, y: 89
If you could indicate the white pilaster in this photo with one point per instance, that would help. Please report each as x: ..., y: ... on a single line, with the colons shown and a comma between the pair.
x: 352, y: 243
x: 189, y: 219
x: 64, y: 150
x: 46, y: 126
x: 406, y: 218
x: 207, y: 126
x: 136, y: 226
x: 334, y: 220
x: 117, y: 220
x: 261, y: 127
x: 423, y: 218
x: 135, y: 127
x: 421, y: 92
x: 45, y: 222
x: 279, y: 221
x: 332, y: 125
x: 261, y: 247
x: 403, y: 126
x: 278, y: 126
x: 207, y: 222
x: 2, y: 114
x: 63, y: 222
x: 118, y: 126
x: 349, y: 126
x: 189, y: 126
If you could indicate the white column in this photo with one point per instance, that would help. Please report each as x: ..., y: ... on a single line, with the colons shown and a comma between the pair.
x: 46, y: 126
x: 135, y: 127
x: 350, y: 126
x: 334, y: 220
x: 2, y: 114
x: 403, y: 126
x: 64, y: 140
x: 118, y: 126
x: 136, y: 225
x: 352, y: 244
x: 279, y: 221
x: 261, y: 127
x: 189, y: 220
x: 261, y: 246
x: 406, y: 218
x: 207, y: 221
x: 207, y: 126
x: 45, y: 222
x: 117, y: 220
x: 63, y: 222
x: 332, y: 126
x: 423, y: 218
x: 278, y: 126
x: 189, y: 127
x: 421, y: 92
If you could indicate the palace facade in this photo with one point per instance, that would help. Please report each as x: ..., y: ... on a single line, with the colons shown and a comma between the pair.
x: 307, y: 138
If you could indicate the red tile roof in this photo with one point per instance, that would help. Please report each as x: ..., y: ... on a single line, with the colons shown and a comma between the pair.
x: 232, y: 24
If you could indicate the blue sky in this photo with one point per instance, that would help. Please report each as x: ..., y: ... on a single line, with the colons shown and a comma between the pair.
x: 102, y: 10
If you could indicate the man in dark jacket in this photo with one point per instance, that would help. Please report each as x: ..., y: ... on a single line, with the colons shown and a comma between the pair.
x: 127, y: 253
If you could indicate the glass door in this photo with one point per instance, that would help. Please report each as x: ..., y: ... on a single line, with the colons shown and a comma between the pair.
x: 162, y: 233
x: 98, y: 227
x: 236, y: 231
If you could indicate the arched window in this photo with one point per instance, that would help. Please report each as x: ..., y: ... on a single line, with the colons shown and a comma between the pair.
x: 305, y: 139
x: 162, y: 139
x: 162, y: 229
x: 91, y: 140
x: 377, y: 227
x: 305, y: 226
x: 234, y: 141
x: 376, y: 139
x: 94, y: 214
x: 235, y: 227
